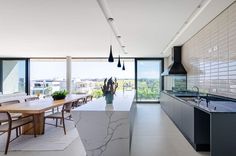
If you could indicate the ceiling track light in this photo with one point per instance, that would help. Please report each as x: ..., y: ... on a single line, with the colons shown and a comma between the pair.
x: 110, y: 19
x: 124, y: 49
x: 187, y: 23
x: 108, y: 16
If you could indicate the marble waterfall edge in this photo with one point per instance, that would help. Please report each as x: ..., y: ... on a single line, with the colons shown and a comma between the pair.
x: 105, y: 132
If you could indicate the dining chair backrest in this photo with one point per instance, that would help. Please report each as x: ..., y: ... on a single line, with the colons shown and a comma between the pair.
x: 31, y: 99
x: 67, y: 107
x: 79, y: 102
x: 9, y: 102
x: 88, y: 98
x: 4, y: 116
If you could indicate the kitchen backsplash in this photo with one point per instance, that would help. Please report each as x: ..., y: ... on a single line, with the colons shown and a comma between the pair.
x: 210, y: 56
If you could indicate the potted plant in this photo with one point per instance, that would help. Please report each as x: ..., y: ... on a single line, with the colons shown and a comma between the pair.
x: 58, y: 95
x: 109, y: 89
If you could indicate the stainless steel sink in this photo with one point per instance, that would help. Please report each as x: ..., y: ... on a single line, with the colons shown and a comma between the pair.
x: 202, y: 103
x: 193, y: 99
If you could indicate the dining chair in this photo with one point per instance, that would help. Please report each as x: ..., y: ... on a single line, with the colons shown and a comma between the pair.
x: 88, y: 98
x: 10, y: 102
x: 31, y: 99
x: 7, y: 125
x: 61, y: 115
x: 78, y: 102
x: 13, y: 115
x: 53, y: 109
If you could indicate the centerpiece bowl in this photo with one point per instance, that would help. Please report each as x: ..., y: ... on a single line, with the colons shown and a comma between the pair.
x: 59, y: 95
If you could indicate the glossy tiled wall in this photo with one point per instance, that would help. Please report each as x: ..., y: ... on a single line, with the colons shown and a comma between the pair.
x: 210, y: 56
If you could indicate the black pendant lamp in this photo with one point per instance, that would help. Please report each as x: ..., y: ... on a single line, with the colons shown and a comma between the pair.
x: 123, y: 68
x: 119, y: 64
x: 110, y: 59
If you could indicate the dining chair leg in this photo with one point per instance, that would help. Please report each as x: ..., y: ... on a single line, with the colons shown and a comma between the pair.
x: 56, y: 122
x: 8, y: 141
x: 17, y: 132
x: 64, y: 126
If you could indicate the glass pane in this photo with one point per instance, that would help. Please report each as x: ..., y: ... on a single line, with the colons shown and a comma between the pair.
x: 88, y: 75
x: 179, y: 83
x: 13, y: 76
x: 148, y: 80
x: 47, y: 76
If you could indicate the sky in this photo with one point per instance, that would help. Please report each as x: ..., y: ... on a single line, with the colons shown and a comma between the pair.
x: 81, y: 70
x: 149, y: 69
x: 90, y: 69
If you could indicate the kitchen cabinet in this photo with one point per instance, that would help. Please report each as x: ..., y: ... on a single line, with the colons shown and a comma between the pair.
x: 184, y: 117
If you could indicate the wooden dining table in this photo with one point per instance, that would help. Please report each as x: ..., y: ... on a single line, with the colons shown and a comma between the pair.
x: 38, y: 109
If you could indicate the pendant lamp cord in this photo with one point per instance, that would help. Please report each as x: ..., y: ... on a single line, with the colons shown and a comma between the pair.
x: 110, y: 37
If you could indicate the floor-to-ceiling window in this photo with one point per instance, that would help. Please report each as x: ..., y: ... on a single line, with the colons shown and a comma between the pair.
x: 14, y: 75
x: 148, y: 79
x: 88, y: 75
x: 47, y: 76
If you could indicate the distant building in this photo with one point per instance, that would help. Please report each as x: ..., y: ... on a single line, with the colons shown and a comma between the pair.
x: 46, y: 87
x: 83, y: 86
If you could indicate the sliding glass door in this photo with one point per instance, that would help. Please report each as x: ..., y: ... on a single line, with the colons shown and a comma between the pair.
x: 14, y: 76
x: 148, y: 79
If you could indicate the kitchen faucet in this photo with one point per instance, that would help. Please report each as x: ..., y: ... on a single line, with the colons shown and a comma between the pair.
x: 198, y: 94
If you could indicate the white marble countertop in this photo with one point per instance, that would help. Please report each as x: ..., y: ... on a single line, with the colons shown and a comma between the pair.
x: 122, y: 102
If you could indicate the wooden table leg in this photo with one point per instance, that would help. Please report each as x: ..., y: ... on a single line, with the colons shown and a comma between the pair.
x: 39, y: 120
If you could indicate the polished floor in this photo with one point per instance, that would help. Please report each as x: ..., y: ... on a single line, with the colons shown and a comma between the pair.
x: 154, y: 135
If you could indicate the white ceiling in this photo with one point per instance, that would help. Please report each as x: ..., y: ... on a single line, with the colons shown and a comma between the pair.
x: 78, y: 28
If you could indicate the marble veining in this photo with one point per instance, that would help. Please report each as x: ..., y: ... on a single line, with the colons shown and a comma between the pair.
x: 105, y: 133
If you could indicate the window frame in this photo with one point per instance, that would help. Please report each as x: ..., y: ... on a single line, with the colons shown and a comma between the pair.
x: 136, y: 76
x: 27, y: 74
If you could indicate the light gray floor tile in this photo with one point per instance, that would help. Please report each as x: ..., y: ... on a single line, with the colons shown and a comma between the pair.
x: 154, y: 135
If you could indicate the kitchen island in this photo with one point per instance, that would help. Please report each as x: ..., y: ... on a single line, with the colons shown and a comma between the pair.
x: 208, y: 125
x: 106, y: 129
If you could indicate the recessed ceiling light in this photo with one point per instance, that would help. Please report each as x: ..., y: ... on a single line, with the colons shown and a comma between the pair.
x: 110, y: 19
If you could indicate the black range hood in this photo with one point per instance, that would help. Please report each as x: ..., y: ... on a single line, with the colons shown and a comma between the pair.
x: 176, y: 68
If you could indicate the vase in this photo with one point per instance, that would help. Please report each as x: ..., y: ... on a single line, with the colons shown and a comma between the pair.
x: 109, y: 98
